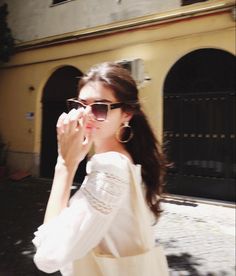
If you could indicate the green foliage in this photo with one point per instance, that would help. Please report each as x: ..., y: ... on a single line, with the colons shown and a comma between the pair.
x: 7, y: 42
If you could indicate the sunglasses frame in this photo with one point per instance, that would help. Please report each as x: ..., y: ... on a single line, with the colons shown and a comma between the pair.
x: 110, y: 106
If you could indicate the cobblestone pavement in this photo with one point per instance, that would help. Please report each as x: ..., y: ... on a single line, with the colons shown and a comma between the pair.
x: 198, y: 238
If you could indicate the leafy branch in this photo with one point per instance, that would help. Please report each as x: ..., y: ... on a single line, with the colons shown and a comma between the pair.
x: 7, y: 42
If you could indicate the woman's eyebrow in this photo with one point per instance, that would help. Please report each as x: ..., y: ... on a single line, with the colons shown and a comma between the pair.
x: 81, y: 100
x: 94, y: 101
x: 102, y: 100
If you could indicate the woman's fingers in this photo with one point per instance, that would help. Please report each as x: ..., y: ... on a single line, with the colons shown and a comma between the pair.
x: 60, y: 123
x: 69, y: 122
x: 74, y: 122
x: 88, y: 138
x: 71, y: 132
x: 85, y: 118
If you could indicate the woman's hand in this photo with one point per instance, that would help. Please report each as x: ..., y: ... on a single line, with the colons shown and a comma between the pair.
x: 73, y: 143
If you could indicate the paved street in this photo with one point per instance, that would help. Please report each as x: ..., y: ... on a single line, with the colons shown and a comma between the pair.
x: 198, y: 237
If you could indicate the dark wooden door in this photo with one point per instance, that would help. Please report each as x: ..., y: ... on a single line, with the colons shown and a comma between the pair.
x: 199, y: 125
x: 200, y: 137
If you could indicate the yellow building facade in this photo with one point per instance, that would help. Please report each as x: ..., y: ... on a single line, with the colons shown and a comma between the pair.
x: 159, y: 40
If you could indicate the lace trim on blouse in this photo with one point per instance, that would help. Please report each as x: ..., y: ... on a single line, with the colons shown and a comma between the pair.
x: 104, y: 196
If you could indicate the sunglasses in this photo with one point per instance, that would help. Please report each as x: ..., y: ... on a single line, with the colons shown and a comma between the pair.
x: 99, y: 110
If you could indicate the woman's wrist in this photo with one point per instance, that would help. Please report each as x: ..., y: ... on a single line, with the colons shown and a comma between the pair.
x: 60, y: 192
x: 67, y: 168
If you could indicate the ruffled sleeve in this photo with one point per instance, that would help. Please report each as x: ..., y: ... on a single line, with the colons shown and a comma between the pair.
x: 83, y: 224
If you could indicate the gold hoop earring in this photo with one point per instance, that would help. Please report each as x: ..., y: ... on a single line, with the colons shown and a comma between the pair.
x: 120, y: 133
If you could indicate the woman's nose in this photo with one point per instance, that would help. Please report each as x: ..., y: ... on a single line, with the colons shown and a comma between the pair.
x: 88, y: 111
x: 91, y: 117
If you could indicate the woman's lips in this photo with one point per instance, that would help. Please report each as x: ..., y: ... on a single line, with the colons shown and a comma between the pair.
x: 91, y: 127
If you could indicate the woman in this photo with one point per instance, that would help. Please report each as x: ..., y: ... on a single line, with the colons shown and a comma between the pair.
x: 107, y: 114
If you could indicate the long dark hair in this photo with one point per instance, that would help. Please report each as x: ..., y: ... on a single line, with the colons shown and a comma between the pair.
x: 143, y: 147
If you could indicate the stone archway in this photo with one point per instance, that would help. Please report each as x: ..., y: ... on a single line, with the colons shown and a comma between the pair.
x: 199, y: 124
x: 61, y: 85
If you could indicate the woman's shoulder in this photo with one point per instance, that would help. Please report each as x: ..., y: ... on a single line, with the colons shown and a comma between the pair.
x: 109, y: 161
x: 114, y: 163
x: 110, y: 157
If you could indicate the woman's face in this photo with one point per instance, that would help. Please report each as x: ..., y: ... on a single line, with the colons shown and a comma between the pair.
x: 103, y: 131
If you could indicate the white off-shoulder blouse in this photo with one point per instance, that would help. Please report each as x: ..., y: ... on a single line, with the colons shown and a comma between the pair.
x: 99, y: 214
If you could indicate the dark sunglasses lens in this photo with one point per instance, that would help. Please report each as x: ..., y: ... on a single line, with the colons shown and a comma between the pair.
x: 100, y: 111
x: 73, y: 104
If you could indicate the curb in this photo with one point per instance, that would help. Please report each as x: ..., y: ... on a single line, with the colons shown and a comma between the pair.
x: 191, y: 199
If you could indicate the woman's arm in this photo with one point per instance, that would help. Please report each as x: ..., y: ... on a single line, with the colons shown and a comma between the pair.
x: 82, y: 225
x: 60, y: 192
x: 72, y: 148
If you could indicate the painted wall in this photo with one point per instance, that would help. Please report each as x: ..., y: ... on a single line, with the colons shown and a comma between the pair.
x: 30, y: 20
x: 160, y: 47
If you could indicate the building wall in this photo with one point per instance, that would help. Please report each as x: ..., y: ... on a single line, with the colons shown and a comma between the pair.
x: 37, y: 19
x: 159, y: 46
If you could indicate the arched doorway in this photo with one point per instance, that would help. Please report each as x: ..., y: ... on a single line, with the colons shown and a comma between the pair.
x: 61, y: 85
x: 199, y: 124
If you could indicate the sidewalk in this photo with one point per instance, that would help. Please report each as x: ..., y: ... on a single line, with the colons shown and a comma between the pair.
x: 198, y: 237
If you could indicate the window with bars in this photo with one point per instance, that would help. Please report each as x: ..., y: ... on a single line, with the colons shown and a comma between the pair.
x: 56, y: 2
x: 190, y: 2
